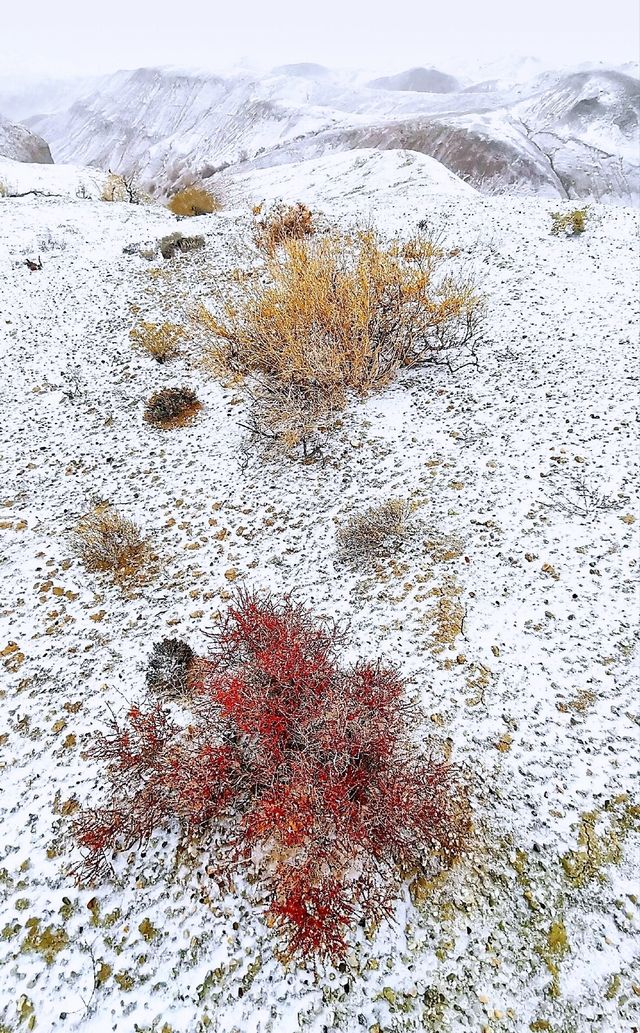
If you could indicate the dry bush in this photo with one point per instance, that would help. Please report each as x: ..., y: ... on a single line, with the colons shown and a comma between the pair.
x: 283, y: 222
x: 193, y: 200
x: 377, y: 530
x: 571, y: 224
x: 307, y: 771
x: 171, y: 407
x: 108, y: 543
x: 177, y: 244
x: 342, y: 313
x: 168, y: 668
x: 4, y: 189
x: 160, y: 340
x: 120, y: 187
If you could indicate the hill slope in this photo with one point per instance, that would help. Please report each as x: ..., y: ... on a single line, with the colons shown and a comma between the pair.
x: 510, y: 613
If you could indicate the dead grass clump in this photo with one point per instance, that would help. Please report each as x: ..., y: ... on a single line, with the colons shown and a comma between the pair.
x: 193, y: 200
x: 168, y: 668
x: 160, y: 340
x: 571, y: 224
x: 339, y: 314
x: 283, y: 222
x: 108, y: 543
x: 377, y: 530
x: 172, y: 407
x: 177, y: 244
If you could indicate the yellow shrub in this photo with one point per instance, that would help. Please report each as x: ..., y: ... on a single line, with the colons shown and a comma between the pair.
x: 193, y: 200
x: 160, y: 340
x: 342, y: 313
x: 570, y: 223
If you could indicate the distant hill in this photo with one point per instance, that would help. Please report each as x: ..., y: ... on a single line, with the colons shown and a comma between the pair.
x: 418, y: 80
x: 20, y: 144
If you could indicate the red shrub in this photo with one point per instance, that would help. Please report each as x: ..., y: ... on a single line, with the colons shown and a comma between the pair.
x: 297, y: 760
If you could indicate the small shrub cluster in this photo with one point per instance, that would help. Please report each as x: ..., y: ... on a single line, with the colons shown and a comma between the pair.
x: 171, y: 407
x: 119, y: 187
x: 109, y: 543
x: 571, y: 224
x: 377, y: 530
x: 160, y: 340
x: 340, y: 314
x: 305, y: 768
x: 283, y: 222
x: 177, y: 244
x: 168, y: 668
x: 193, y: 200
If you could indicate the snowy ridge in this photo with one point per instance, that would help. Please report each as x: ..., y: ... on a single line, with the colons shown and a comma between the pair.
x: 536, y: 130
x: 20, y: 144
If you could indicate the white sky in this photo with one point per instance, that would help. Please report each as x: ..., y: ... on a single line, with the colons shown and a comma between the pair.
x: 68, y: 37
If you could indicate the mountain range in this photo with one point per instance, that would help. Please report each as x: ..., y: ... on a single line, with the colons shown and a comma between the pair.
x: 506, y: 129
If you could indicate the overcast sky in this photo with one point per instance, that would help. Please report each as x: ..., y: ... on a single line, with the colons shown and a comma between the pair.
x: 77, y: 37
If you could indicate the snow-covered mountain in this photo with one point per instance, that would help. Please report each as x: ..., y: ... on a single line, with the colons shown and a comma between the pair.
x: 20, y: 144
x: 520, y: 128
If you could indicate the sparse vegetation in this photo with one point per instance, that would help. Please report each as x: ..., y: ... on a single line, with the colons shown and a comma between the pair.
x: 339, y: 314
x: 177, y: 244
x: 194, y: 200
x: 109, y: 543
x: 571, y: 224
x: 121, y: 187
x: 168, y: 668
x: 172, y: 407
x: 4, y: 190
x: 307, y: 765
x: 377, y: 530
x: 160, y: 340
x: 283, y: 222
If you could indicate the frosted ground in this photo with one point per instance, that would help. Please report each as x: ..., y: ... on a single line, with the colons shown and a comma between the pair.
x: 512, y: 615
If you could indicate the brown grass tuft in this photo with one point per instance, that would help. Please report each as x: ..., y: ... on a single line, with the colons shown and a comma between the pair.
x: 160, y: 340
x: 377, y: 530
x: 283, y: 222
x: 194, y: 200
x: 172, y: 407
x: 108, y: 543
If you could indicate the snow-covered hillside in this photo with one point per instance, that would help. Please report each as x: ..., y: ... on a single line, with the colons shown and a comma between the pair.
x: 525, y: 471
x: 20, y: 144
x: 529, y: 130
x: 22, y: 177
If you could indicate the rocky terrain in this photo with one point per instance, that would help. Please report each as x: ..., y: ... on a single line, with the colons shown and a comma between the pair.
x: 20, y: 144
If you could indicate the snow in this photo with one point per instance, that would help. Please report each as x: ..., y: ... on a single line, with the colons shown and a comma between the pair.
x: 169, y: 125
x: 62, y: 180
x: 537, y: 697
x: 377, y: 175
